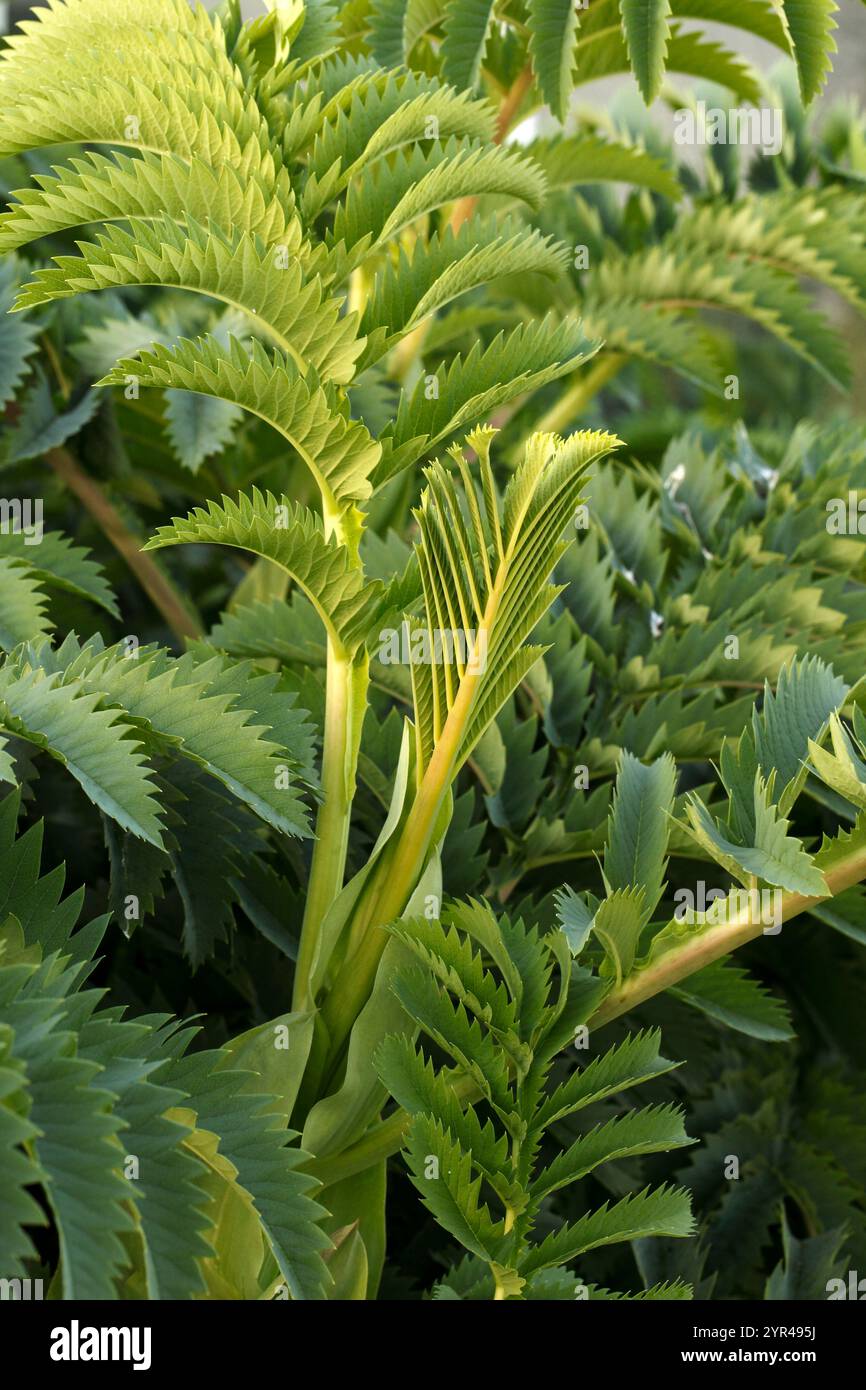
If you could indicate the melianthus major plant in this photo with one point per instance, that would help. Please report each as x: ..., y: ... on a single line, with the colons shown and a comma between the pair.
x: 397, y: 300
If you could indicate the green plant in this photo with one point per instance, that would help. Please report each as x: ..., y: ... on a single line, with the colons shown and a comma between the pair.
x: 352, y: 303
x: 554, y: 47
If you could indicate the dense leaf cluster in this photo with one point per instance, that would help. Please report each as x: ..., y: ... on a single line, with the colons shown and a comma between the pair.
x: 305, y: 363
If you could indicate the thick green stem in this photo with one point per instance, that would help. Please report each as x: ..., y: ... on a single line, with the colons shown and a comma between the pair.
x: 701, y: 950
x: 391, y: 887
x: 396, y: 875
x: 346, y: 686
x: 332, y: 825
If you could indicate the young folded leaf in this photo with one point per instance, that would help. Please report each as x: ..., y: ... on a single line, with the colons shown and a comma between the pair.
x: 485, y: 569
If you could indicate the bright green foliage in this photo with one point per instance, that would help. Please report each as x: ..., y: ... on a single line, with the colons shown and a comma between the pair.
x: 668, y: 572
x: 647, y: 32
x: 19, y: 344
x: 844, y: 769
x: 750, y: 843
x: 477, y: 383
x: 330, y: 366
x: 291, y: 538
x: 24, y: 605
x: 92, y: 743
x: 101, y: 712
x: 339, y: 452
x: 484, y: 570
x: 484, y: 996
x: 565, y: 45
x: 553, y: 26
x: 809, y: 29
x: 464, y: 38
x: 570, y: 161
x: 219, y: 218
x: 638, y: 831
